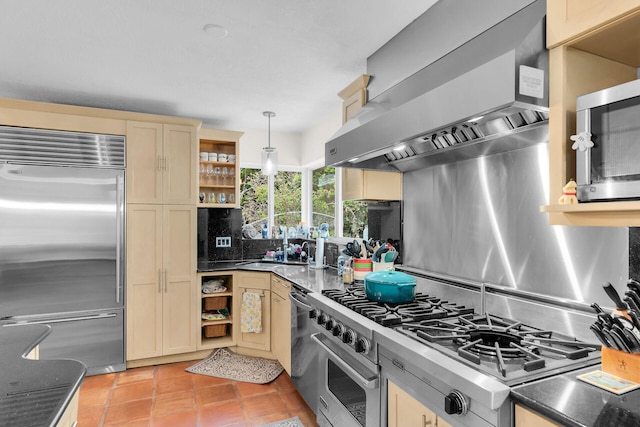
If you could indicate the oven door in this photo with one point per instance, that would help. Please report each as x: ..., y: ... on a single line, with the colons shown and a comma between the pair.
x: 349, y: 390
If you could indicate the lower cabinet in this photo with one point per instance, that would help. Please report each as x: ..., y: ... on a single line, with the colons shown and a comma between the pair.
x: 527, y: 418
x: 248, y: 285
x: 281, y: 321
x: 215, y: 299
x: 405, y: 411
x: 70, y: 415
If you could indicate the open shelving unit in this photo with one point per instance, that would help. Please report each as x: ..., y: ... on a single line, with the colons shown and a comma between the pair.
x: 219, y: 142
x: 216, y: 333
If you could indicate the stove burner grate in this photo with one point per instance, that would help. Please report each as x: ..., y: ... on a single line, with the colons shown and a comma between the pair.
x: 424, y: 307
x: 504, y: 342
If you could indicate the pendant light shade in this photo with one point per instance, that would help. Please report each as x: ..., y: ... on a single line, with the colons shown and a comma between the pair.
x: 269, y: 153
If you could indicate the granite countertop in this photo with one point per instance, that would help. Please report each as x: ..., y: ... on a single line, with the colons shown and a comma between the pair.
x: 310, y: 279
x: 571, y: 402
x: 33, y: 392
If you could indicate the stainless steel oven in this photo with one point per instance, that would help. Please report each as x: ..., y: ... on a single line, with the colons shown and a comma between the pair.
x: 349, y: 383
x: 349, y: 390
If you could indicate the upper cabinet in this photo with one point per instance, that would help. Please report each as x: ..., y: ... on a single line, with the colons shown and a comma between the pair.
x: 570, y: 19
x: 593, y: 46
x: 218, y: 171
x: 161, y: 163
x: 359, y: 184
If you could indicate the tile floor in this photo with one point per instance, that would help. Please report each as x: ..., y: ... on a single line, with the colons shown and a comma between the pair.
x: 167, y: 395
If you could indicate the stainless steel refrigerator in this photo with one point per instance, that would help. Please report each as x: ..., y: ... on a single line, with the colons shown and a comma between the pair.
x: 62, y: 241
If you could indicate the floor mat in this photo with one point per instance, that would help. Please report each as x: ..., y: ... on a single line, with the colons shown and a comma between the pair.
x: 224, y: 363
x: 289, y: 422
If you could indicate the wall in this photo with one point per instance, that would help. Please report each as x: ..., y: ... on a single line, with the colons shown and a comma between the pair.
x: 479, y: 220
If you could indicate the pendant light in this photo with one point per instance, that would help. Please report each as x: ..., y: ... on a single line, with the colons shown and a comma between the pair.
x: 269, y: 154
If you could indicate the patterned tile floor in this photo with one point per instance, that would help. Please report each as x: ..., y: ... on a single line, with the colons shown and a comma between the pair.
x: 167, y: 395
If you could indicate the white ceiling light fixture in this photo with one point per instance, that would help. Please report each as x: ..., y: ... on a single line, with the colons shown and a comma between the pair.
x: 269, y: 153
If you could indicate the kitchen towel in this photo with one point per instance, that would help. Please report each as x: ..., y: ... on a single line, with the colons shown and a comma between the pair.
x: 251, y: 312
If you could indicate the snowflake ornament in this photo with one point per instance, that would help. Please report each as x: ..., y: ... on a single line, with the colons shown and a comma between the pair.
x: 582, y: 141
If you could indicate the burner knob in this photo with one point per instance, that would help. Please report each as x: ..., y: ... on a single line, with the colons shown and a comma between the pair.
x: 362, y: 345
x: 349, y: 337
x: 338, y: 330
x: 455, y: 403
x: 330, y: 324
x: 313, y: 314
x: 322, y: 318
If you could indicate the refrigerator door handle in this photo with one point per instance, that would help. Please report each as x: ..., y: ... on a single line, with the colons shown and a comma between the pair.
x: 68, y: 319
x: 119, y: 231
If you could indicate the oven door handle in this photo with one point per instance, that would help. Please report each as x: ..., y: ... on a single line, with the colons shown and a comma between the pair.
x: 296, y: 301
x: 367, y: 383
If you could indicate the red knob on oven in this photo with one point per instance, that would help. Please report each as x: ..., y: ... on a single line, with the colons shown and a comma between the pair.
x: 349, y: 337
x: 362, y: 346
x: 313, y: 314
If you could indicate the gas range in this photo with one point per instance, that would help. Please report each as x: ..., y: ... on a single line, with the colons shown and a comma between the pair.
x: 459, y: 363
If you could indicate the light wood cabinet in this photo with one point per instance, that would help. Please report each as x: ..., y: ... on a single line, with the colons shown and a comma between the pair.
x: 527, y: 418
x: 358, y: 184
x: 259, y: 283
x: 365, y: 185
x: 405, y: 411
x: 161, y: 163
x: 70, y: 415
x: 161, y: 260
x: 597, y: 53
x: 217, y: 332
x: 212, y: 185
x: 281, y: 321
x: 569, y: 19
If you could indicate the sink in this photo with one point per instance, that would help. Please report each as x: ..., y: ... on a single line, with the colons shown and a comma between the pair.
x: 269, y: 264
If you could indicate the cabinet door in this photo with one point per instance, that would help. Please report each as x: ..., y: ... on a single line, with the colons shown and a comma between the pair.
x: 371, y: 185
x: 179, y: 313
x: 568, y: 19
x: 180, y: 177
x: 144, y: 162
x: 528, y: 418
x: 262, y: 340
x: 281, y: 326
x: 144, y: 281
x: 405, y: 411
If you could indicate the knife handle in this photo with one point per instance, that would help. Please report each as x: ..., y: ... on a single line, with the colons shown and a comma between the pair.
x: 613, y: 294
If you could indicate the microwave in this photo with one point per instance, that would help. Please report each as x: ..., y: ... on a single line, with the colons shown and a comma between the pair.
x: 610, y: 168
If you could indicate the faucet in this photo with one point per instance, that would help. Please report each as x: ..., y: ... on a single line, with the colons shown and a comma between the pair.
x: 285, y: 244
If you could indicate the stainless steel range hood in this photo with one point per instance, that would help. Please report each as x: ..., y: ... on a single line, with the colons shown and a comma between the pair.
x: 487, y: 96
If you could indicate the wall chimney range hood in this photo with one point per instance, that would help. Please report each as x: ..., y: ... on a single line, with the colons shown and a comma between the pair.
x: 487, y: 96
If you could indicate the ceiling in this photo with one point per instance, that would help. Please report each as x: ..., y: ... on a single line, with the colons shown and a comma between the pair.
x: 153, y: 56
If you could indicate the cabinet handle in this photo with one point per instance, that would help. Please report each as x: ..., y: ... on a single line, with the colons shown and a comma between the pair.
x: 425, y: 422
x: 164, y: 163
x: 159, y: 163
x: 159, y: 280
x: 166, y: 285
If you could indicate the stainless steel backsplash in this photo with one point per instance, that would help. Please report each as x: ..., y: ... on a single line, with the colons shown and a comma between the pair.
x: 479, y: 220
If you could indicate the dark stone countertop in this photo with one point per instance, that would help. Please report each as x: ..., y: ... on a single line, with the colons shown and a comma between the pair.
x: 33, y: 392
x: 569, y: 401
x: 310, y: 279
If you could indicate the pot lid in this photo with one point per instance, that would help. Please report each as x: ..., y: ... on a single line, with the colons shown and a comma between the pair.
x: 389, y: 277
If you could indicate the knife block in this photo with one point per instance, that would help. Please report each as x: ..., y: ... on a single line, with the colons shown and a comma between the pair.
x: 622, y: 364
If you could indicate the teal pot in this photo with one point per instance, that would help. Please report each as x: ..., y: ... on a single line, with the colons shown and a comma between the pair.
x: 394, y: 287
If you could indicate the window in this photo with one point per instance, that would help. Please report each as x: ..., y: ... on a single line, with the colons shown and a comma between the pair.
x: 287, y: 197
x: 254, y: 199
x: 354, y: 218
x: 323, y: 198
